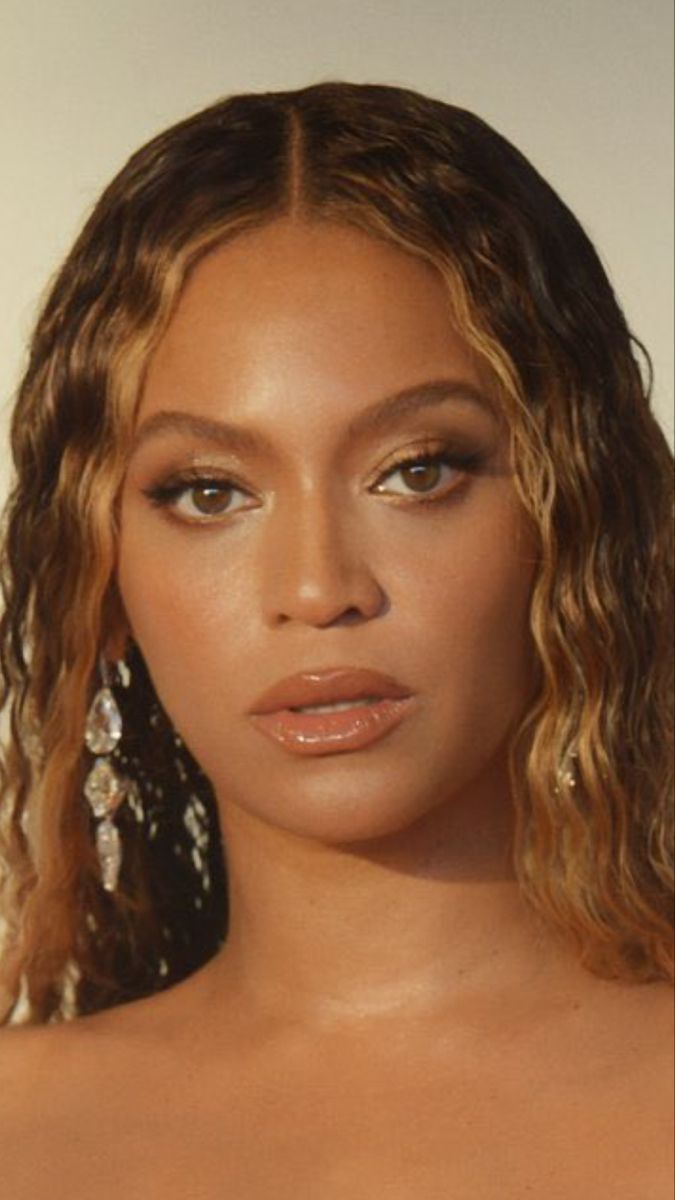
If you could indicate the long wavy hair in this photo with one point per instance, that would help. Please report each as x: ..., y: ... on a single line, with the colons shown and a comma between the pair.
x: 590, y: 761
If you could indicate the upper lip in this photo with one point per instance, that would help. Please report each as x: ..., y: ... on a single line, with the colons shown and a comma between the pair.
x: 326, y: 685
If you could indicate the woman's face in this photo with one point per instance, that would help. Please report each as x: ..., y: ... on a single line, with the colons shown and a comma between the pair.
x: 306, y: 545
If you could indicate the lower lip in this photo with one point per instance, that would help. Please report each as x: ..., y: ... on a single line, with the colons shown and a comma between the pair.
x: 332, y: 733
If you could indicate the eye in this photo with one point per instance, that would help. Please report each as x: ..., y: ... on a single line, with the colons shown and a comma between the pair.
x: 196, y: 498
x: 423, y: 473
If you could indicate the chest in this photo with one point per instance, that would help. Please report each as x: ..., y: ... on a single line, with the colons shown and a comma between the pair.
x: 339, y: 1129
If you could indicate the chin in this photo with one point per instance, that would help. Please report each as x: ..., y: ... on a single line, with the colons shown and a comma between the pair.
x: 339, y: 814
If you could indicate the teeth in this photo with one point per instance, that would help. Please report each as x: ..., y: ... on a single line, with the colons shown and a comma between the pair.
x: 338, y: 706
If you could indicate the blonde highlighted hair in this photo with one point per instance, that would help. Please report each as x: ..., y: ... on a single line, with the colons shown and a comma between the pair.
x: 591, y: 761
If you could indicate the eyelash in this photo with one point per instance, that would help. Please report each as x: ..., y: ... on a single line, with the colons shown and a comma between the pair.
x: 165, y: 495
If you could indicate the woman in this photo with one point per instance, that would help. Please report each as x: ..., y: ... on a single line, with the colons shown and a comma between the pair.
x: 332, y: 407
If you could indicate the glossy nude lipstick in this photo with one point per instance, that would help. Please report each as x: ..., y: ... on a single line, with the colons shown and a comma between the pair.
x: 361, y: 706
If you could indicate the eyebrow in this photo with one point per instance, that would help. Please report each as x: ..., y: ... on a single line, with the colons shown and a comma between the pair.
x: 375, y: 419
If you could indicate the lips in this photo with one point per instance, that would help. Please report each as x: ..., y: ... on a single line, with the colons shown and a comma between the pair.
x: 328, y: 685
x: 337, y: 732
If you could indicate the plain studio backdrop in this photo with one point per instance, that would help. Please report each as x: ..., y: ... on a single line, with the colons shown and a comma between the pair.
x: 583, y: 87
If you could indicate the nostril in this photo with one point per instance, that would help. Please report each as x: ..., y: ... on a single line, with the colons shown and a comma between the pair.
x: 350, y: 617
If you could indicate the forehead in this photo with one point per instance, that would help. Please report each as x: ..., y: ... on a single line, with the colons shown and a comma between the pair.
x: 298, y: 318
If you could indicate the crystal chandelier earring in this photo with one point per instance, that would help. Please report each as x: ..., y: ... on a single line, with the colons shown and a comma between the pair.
x: 104, y: 788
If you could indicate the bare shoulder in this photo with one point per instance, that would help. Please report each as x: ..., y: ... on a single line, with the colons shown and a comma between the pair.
x: 656, y: 1040
x: 28, y: 1055
x: 23, y: 1048
x: 636, y: 1022
x: 36, y: 1059
x: 634, y: 1031
x: 61, y: 1065
x: 51, y: 1083
x: 646, y: 1103
x: 643, y: 1016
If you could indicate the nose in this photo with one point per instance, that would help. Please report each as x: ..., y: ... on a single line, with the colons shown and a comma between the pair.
x: 317, y: 570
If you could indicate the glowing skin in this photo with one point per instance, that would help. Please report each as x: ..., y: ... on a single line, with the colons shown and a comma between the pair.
x: 325, y: 555
x: 384, y: 1018
x: 377, y: 880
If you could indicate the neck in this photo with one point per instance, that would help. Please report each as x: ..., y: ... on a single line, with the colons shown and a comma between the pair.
x: 421, y: 920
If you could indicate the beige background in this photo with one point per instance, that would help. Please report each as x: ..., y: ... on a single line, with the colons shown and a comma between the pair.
x: 583, y: 87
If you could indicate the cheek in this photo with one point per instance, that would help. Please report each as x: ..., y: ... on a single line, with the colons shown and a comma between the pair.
x: 187, y: 621
x: 476, y: 585
x: 472, y: 615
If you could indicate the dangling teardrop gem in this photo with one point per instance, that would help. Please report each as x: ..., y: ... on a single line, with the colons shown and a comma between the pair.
x: 109, y: 849
x: 103, y: 788
x: 103, y: 729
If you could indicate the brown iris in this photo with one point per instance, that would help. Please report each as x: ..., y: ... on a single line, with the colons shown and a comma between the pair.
x: 209, y: 499
x: 421, y: 476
